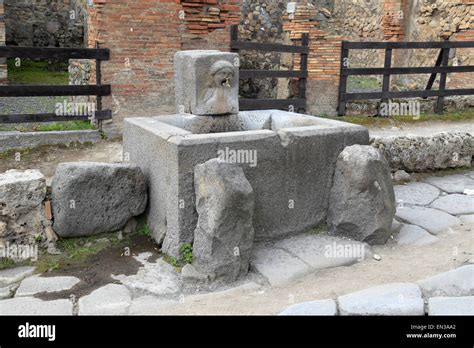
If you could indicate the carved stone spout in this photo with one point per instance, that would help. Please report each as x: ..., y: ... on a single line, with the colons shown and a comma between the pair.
x: 207, y: 83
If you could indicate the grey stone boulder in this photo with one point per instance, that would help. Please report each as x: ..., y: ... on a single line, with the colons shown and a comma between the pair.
x: 451, y: 305
x: 419, y: 153
x: 456, y: 282
x: 401, y: 176
x: 91, y: 198
x: 362, y: 199
x: 388, y: 299
x: 321, y: 307
x: 224, y: 234
x: 21, y: 209
x: 21, y: 191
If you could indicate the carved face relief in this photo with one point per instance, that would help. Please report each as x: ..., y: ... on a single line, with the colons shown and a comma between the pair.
x: 221, y: 94
x: 221, y: 73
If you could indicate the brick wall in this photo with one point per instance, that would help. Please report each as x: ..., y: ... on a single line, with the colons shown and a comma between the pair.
x: 323, y: 60
x: 3, y: 66
x: 464, y: 56
x: 143, y: 37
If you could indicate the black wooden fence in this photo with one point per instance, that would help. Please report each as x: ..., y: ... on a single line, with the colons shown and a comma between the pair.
x: 441, y: 67
x: 99, y: 90
x: 302, y: 74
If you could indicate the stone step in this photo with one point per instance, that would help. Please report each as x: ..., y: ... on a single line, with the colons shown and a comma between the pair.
x: 294, y: 257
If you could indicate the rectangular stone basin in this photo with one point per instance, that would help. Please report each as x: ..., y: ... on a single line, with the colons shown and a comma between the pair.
x: 291, y: 177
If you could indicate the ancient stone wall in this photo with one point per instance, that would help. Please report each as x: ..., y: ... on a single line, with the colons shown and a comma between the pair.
x: 263, y: 21
x: 44, y: 23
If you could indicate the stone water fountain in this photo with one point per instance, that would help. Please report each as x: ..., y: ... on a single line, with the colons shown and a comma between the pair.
x: 284, y: 190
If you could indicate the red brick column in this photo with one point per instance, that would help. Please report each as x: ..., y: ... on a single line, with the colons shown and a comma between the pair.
x: 464, y: 56
x: 393, y: 20
x: 323, y: 61
x: 394, y: 28
x: 324, y: 71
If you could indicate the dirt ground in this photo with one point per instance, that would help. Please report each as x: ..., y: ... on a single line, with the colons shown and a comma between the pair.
x: 98, y: 269
x: 46, y: 158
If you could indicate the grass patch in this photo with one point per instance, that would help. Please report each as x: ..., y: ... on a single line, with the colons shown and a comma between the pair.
x: 321, y: 228
x: 455, y: 116
x: 64, y: 126
x: 31, y: 72
x: 363, y: 83
x: 186, y: 253
x: 145, y: 230
x: 186, y: 257
x: 42, y: 150
x: 6, y: 262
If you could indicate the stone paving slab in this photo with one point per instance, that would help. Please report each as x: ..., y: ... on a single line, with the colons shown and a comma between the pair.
x: 415, y: 193
x: 36, y: 284
x: 451, y: 305
x: 456, y: 282
x: 293, y: 257
x: 7, y: 291
x: 111, y: 299
x: 452, y: 183
x: 388, y: 299
x: 468, y: 219
x: 34, y: 306
x: 432, y: 220
x: 455, y: 204
x: 414, y: 235
x: 322, y: 307
x: 320, y: 251
x: 15, y: 275
x: 277, y: 265
x: 159, y: 278
x: 149, y: 305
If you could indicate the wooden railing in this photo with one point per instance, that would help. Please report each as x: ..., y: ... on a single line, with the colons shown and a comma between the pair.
x: 99, y: 90
x: 441, y: 67
x: 302, y: 74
